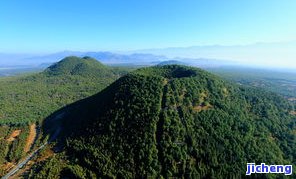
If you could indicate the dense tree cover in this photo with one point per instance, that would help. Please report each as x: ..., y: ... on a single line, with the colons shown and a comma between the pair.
x: 4, y: 132
x: 11, y: 148
x: 31, y: 98
x: 50, y: 169
x: 174, y: 121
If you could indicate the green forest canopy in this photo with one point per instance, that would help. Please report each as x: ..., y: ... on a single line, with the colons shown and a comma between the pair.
x: 173, y: 121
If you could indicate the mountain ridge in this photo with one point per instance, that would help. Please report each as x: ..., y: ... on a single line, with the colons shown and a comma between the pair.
x: 174, y: 121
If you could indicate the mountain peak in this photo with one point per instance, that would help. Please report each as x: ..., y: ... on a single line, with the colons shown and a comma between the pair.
x: 173, y: 121
x: 171, y: 71
x: 74, y: 65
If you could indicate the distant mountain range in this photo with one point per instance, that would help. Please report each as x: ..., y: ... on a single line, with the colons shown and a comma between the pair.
x: 275, y: 54
x: 109, y: 58
x: 266, y: 55
x: 104, y: 57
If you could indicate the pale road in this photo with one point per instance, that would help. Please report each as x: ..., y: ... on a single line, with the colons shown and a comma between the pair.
x: 30, y: 156
x: 24, y: 162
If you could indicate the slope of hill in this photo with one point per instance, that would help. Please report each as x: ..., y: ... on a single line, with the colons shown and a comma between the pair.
x: 172, y: 121
x: 30, y: 99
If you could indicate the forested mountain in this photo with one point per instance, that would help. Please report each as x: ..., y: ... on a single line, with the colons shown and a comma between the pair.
x: 85, y: 66
x: 33, y: 97
x: 28, y: 100
x: 171, y: 121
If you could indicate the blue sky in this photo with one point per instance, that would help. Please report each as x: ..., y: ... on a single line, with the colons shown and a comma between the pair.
x: 87, y: 25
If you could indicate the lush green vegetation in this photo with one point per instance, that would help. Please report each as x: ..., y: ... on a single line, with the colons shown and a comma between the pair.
x: 173, y: 121
x: 12, y: 143
x: 4, y: 132
x: 31, y: 98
